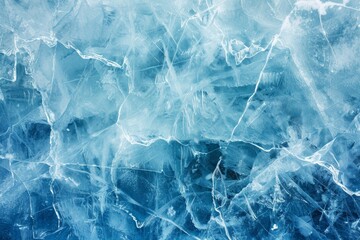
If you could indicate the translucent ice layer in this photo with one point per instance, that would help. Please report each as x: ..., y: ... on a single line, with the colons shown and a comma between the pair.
x: 184, y: 119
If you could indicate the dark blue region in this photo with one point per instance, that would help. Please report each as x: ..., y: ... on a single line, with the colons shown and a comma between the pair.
x: 177, y: 202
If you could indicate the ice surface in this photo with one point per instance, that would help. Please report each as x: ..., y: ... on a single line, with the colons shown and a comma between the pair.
x: 203, y: 119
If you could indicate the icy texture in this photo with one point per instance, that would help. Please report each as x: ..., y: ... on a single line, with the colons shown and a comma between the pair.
x: 203, y: 119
